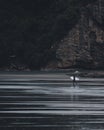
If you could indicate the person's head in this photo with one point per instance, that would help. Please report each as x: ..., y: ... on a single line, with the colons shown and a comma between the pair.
x: 76, y: 72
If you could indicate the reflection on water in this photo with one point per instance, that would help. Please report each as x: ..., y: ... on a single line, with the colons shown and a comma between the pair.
x: 51, y: 105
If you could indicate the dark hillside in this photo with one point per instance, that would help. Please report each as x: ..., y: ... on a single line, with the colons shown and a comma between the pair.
x: 29, y: 29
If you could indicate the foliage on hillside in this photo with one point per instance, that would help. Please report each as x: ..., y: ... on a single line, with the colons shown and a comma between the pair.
x: 29, y: 29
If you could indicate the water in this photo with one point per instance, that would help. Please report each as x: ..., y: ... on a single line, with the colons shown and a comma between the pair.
x: 50, y: 102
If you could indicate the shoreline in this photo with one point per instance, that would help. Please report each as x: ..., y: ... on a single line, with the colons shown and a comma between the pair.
x: 83, y: 72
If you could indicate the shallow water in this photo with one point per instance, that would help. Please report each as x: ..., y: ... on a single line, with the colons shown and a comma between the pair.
x: 50, y: 102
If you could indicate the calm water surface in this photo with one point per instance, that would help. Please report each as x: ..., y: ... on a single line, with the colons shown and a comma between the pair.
x: 50, y: 102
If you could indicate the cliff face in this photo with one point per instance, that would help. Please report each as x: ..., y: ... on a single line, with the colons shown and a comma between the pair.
x: 84, y: 44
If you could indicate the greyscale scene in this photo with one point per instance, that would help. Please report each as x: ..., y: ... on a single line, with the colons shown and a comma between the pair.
x: 51, y: 64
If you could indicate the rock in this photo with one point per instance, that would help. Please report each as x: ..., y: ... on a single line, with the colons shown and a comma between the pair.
x: 84, y: 44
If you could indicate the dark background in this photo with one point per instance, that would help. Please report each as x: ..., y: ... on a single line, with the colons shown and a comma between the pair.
x: 30, y: 29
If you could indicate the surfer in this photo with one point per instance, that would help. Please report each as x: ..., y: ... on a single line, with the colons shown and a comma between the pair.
x: 75, y: 78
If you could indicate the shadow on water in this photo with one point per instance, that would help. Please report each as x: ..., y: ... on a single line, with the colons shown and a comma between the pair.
x: 51, y: 105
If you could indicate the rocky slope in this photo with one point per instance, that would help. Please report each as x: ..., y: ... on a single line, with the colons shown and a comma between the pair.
x: 51, y: 34
x: 84, y: 44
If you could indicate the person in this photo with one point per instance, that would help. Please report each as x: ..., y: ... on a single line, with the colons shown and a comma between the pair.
x: 75, y: 78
